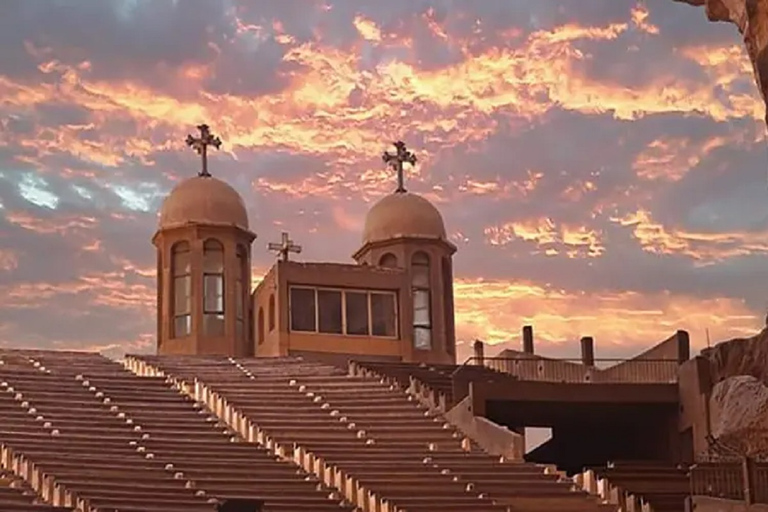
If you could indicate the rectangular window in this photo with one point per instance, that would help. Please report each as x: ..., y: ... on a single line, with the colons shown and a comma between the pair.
x: 422, y: 338
x: 213, y: 285
x: 383, y: 314
x: 213, y: 324
x: 346, y: 312
x: 181, y: 293
x: 421, y: 316
x: 182, y: 326
x: 303, y: 310
x: 356, y: 313
x: 329, y: 316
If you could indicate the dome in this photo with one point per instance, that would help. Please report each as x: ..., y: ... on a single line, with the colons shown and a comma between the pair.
x: 403, y: 214
x: 203, y: 200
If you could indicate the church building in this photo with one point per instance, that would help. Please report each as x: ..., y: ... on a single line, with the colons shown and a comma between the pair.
x: 394, y: 302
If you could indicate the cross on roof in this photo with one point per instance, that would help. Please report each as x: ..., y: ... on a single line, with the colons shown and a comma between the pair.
x: 284, y: 247
x: 200, y: 144
x: 396, y: 160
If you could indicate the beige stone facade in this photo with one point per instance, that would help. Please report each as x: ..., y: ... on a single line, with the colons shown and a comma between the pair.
x: 394, y: 302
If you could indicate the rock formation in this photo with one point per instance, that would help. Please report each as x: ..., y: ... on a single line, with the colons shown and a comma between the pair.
x: 741, y: 356
x: 751, y: 16
x: 739, y: 408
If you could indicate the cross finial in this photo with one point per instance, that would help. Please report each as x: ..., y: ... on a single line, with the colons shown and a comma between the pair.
x: 200, y: 144
x: 284, y: 247
x: 396, y: 160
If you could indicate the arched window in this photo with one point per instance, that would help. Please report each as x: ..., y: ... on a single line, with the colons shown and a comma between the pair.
x: 388, y: 260
x: 213, y: 288
x: 261, y: 325
x: 422, y: 307
x: 181, y: 290
x: 271, y: 312
x: 240, y: 282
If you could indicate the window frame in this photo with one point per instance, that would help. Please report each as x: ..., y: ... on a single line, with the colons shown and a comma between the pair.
x: 344, y: 291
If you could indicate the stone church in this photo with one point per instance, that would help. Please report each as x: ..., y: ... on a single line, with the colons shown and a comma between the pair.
x: 395, y: 302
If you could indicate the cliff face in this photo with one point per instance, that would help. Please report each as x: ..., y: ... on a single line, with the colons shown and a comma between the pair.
x: 739, y: 408
x: 742, y: 356
x: 751, y: 16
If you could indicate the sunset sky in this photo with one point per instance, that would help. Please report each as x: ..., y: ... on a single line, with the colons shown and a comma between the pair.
x: 600, y: 164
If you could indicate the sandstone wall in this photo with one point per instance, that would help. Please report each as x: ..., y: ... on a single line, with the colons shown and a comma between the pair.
x: 741, y: 356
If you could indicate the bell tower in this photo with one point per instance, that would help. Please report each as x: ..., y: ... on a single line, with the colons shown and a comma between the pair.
x: 404, y: 230
x: 203, y: 244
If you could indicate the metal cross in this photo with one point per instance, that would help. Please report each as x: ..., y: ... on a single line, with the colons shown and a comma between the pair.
x: 200, y: 144
x: 285, y: 247
x: 396, y: 160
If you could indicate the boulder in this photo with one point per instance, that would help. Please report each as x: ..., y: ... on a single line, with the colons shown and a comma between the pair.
x: 741, y: 356
x: 751, y: 17
x: 739, y: 409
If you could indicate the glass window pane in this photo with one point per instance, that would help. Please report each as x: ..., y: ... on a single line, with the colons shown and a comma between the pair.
x: 421, y: 314
x: 182, y: 326
x: 213, y: 325
x: 181, y: 263
x: 303, y: 309
x: 213, y: 293
x: 181, y: 295
x: 213, y: 257
x: 420, y: 276
x: 388, y: 260
x: 329, y: 311
x: 239, y: 300
x: 422, y: 338
x: 383, y: 314
x: 357, y: 313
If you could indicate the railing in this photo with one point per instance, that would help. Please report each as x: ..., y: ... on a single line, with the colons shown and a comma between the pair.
x: 573, y: 370
x: 726, y: 480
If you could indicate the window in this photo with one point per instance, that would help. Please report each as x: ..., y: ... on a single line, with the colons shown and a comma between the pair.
x: 303, y: 310
x: 329, y: 315
x: 182, y: 288
x: 346, y: 312
x: 422, y: 297
x: 383, y: 315
x: 388, y: 260
x: 213, y: 288
x: 356, y: 313
x: 272, y: 313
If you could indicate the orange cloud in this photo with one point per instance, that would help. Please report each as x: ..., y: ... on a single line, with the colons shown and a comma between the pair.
x: 9, y: 260
x: 705, y: 248
x: 367, y: 29
x: 551, y: 240
x: 495, y: 311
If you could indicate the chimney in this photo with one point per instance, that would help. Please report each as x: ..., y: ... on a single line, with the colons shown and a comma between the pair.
x: 587, y: 351
x: 479, y: 348
x: 240, y: 505
x: 528, y: 339
x: 683, y: 346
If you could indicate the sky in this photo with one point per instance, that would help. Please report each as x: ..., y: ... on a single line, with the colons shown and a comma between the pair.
x: 600, y: 164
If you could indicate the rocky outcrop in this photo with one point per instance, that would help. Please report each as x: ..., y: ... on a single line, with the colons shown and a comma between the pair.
x: 739, y: 408
x: 741, y: 356
x: 751, y: 16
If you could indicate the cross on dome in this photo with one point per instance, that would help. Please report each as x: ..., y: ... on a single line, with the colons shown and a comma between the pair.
x: 200, y: 145
x: 396, y: 160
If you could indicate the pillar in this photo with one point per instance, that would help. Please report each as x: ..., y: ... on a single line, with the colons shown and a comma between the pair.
x: 587, y: 351
x: 479, y: 349
x: 528, y: 339
x: 683, y: 346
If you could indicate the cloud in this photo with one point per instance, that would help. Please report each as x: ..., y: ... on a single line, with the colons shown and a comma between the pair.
x: 600, y: 166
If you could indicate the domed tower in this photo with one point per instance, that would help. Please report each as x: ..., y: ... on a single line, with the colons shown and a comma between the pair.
x: 404, y: 230
x: 203, y: 246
